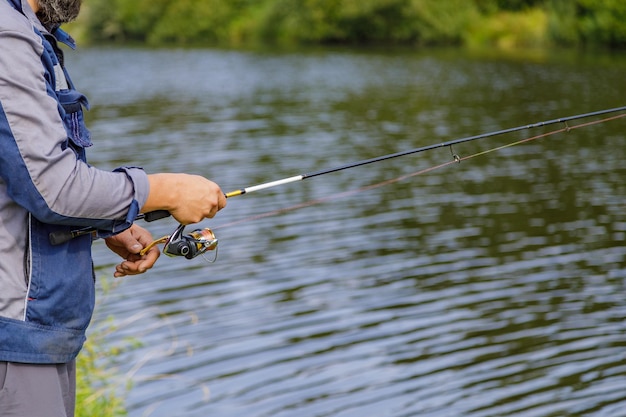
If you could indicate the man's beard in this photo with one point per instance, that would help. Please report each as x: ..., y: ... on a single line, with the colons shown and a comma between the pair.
x: 52, y: 13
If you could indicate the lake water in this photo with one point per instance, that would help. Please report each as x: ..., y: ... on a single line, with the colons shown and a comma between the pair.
x: 493, y: 287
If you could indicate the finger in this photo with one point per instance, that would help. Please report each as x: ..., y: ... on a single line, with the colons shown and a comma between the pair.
x: 142, y: 236
x: 130, y: 268
x: 119, y: 272
x: 137, y: 265
x: 221, y: 201
x: 150, y: 258
x: 129, y: 242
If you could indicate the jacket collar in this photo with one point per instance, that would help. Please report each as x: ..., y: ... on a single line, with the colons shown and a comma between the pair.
x: 61, y: 36
x: 16, y: 3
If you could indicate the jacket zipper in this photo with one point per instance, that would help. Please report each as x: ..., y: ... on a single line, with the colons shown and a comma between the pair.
x: 28, y: 266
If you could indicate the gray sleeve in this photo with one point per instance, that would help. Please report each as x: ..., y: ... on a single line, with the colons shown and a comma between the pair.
x: 42, y: 174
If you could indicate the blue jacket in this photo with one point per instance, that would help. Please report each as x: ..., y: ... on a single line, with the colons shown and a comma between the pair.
x: 46, y: 185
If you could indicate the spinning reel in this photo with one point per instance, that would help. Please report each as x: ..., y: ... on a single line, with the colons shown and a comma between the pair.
x: 188, y: 245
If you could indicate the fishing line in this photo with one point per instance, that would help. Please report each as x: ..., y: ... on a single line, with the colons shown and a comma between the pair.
x: 451, y: 143
x: 456, y: 159
x: 201, y: 241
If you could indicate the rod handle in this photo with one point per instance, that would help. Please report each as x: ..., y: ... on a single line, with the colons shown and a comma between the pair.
x: 57, y: 238
x: 156, y: 215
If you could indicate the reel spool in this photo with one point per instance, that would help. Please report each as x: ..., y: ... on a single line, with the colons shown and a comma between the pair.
x: 191, y: 245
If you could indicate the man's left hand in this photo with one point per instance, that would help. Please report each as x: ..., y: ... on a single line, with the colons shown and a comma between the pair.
x: 128, y: 244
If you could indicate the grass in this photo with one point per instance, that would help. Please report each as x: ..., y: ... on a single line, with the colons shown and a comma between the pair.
x: 100, y: 389
x: 101, y: 386
x: 97, y: 390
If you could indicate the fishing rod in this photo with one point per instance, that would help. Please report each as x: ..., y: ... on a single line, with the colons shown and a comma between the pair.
x: 450, y: 144
x: 200, y: 241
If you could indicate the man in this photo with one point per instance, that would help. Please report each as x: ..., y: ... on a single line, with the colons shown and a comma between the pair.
x: 46, y: 186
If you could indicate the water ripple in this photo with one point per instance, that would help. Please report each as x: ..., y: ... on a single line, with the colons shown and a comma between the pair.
x: 489, y: 288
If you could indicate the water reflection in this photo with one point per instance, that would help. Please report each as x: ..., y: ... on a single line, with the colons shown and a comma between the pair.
x: 487, y: 288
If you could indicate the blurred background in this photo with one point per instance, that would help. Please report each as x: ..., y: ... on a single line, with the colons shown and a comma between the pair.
x: 494, y: 23
x: 493, y: 287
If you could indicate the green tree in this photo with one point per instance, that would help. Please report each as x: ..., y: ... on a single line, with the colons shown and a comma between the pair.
x: 590, y: 22
x: 412, y: 22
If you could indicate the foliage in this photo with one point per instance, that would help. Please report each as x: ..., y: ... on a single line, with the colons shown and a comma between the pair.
x: 589, y: 22
x: 509, y: 30
x: 493, y: 6
x: 365, y: 21
x: 410, y: 22
x: 99, y: 386
x: 94, y: 395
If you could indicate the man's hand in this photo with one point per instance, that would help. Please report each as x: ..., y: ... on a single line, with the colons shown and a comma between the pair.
x: 128, y: 244
x: 189, y: 198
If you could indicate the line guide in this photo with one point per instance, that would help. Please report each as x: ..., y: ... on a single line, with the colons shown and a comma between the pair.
x: 450, y: 144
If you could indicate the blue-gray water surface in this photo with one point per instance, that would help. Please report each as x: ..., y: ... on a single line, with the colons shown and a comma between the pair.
x: 490, y: 287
